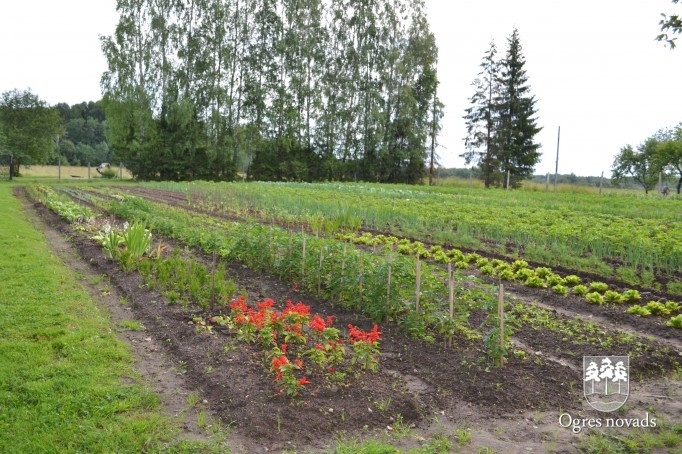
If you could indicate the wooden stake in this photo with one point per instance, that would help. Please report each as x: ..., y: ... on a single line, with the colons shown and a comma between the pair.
x: 451, y: 296
x: 419, y: 282
x: 213, y: 279
x: 388, y: 290
x: 319, y: 271
x: 303, y: 258
x: 500, y: 313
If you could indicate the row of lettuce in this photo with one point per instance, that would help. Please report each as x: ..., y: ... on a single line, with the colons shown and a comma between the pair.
x: 564, y: 230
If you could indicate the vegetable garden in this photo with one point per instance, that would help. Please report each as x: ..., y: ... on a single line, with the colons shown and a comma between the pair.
x: 304, y: 310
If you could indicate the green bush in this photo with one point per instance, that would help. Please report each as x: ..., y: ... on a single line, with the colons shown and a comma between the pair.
x: 108, y: 173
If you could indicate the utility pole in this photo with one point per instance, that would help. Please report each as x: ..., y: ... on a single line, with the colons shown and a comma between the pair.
x: 556, y: 168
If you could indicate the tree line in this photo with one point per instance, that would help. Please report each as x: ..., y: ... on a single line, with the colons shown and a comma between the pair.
x: 277, y: 89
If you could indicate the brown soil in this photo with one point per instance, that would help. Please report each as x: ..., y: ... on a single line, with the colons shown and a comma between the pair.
x: 437, y: 390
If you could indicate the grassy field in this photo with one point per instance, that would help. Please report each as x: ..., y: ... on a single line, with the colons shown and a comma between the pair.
x: 67, y: 172
x: 61, y: 365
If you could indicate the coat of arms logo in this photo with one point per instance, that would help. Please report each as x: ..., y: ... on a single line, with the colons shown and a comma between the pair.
x: 606, y: 381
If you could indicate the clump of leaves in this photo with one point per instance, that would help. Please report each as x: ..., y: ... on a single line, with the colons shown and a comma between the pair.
x: 461, y: 265
x: 580, y: 290
x: 639, y: 310
x: 675, y: 322
x: 595, y: 298
x: 657, y: 308
x: 482, y: 262
x: 542, y: 272
x: 560, y: 289
x: 572, y: 280
x: 613, y: 297
x: 487, y: 270
x: 535, y: 282
x: 523, y: 274
x: 631, y: 296
x: 506, y: 275
x: 672, y: 306
x: 600, y: 287
x: 519, y: 264
x: 554, y: 279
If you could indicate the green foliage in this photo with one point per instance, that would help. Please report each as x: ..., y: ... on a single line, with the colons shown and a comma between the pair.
x: 572, y: 280
x: 594, y: 297
x: 613, y: 297
x: 580, y: 290
x: 641, y: 311
x: 675, y: 322
x: 657, y: 308
x: 560, y: 289
x: 599, y: 287
x: 631, y: 296
x: 30, y: 128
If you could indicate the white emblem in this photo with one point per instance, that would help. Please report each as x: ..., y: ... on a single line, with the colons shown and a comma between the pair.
x: 606, y: 381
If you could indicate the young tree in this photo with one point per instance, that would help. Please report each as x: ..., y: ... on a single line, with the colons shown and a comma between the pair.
x: 669, y: 153
x: 516, y: 149
x: 641, y: 165
x: 31, y: 128
x: 481, y: 120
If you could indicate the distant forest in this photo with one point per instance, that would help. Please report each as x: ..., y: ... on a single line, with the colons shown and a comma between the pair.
x: 84, y: 140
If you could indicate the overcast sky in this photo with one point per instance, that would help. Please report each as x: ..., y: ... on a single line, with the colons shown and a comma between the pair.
x: 593, y: 66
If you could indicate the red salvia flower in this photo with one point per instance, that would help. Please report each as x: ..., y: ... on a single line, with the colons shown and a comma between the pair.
x: 318, y: 324
x: 303, y: 381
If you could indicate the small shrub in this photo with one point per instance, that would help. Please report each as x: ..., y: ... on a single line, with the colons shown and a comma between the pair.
x: 639, y: 310
x: 631, y: 296
x: 600, y: 287
x: 572, y: 280
x: 580, y: 290
x: 613, y: 297
x: 108, y: 173
x: 675, y: 322
x: 595, y: 298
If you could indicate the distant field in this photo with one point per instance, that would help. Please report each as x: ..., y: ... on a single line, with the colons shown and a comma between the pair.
x: 67, y: 172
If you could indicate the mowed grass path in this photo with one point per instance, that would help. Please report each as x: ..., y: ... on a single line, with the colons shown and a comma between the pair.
x: 67, y: 383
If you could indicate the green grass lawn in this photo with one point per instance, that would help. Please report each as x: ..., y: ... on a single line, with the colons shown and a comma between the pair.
x: 67, y: 383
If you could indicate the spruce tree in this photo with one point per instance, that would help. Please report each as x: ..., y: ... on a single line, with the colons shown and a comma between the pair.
x: 481, y: 120
x: 516, y: 149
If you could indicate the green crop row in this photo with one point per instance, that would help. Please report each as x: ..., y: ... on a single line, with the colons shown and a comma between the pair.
x: 639, y: 233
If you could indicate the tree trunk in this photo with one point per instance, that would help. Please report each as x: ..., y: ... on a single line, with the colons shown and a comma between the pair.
x: 679, y: 184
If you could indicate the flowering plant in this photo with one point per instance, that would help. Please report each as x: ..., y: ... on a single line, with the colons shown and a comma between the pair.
x: 292, y: 336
